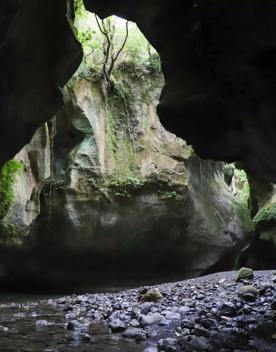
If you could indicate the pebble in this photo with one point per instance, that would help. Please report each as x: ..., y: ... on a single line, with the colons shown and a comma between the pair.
x: 209, y: 314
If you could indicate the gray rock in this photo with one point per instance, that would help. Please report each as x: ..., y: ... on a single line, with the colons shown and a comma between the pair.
x: 134, y: 333
x: 150, y: 319
x: 151, y: 349
x: 184, y: 310
x: 117, y: 325
x: 73, y: 325
x: 167, y: 345
x: 3, y: 329
x: 145, y: 307
x: 199, y: 343
x: 248, y: 293
x: 227, y: 309
x: 39, y: 324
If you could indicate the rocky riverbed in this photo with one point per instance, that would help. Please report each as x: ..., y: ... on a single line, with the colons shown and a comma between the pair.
x: 211, y: 313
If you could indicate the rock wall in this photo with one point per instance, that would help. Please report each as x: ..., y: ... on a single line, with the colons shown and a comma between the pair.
x: 129, y: 191
x: 27, y: 186
x: 114, y: 189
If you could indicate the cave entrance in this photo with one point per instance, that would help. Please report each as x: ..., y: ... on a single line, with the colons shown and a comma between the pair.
x: 105, y: 190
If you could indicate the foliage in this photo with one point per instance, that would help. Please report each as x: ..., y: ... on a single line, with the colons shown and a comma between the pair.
x: 154, y: 63
x: 242, y: 185
x: 168, y: 195
x: 111, y: 41
x: 118, y: 185
x: 123, y: 186
x: 11, y: 234
x: 7, y: 179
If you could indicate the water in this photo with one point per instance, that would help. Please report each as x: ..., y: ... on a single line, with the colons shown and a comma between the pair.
x: 23, y: 335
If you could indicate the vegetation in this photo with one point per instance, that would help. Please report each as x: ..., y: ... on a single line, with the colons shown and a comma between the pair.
x: 110, y: 42
x: 242, y: 184
x: 118, y: 185
x: 265, y: 215
x: 7, y: 179
x: 169, y: 195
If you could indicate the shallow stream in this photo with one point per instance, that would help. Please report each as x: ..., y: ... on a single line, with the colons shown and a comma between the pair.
x: 26, y: 334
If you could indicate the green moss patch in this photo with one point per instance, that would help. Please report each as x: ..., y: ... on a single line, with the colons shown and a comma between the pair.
x: 7, y: 179
x: 265, y: 215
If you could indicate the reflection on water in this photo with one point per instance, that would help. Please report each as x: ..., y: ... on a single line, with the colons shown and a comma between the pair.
x: 21, y: 330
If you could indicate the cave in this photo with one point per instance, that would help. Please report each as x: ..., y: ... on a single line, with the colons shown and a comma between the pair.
x: 137, y: 149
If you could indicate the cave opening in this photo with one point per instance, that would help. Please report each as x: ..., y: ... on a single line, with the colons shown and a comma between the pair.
x: 105, y: 208
x: 103, y: 184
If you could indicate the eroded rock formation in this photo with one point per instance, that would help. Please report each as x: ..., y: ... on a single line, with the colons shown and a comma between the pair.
x: 124, y: 189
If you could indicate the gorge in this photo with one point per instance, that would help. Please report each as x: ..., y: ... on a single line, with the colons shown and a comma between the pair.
x: 130, y: 160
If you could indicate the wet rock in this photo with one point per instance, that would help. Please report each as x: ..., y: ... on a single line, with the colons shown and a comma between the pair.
x: 145, y: 307
x: 245, y: 273
x: 171, y: 315
x: 200, y: 331
x: 187, y: 324
x: 199, y: 343
x: 117, y: 325
x: 40, y: 324
x: 3, y: 329
x: 134, y: 333
x: 150, y: 319
x: 152, y: 295
x: 184, y: 310
x: 73, y: 325
x: 248, y: 293
x: 227, y: 309
x: 266, y: 329
x: 151, y: 349
x: 167, y: 345
x: 85, y: 338
x: 273, y: 303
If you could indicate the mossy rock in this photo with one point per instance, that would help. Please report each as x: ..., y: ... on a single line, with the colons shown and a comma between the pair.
x: 245, y: 273
x: 7, y: 179
x: 265, y: 215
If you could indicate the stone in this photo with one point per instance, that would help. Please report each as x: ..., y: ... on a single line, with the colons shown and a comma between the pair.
x: 167, y: 345
x: 39, y: 324
x: 117, y: 325
x: 187, y: 324
x: 145, y: 307
x: 183, y: 310
x: 199, y: 343
x: 4, y: 328
x: 86, y: 338
x: 248, y: 293
x: 266, y: 329
x: 134, y: 333
x: 152, y: 295
x: 245, y: 273
x: 273, y: 303
x: 227, y: 309
x: 73, y: 325
x: 151, y: 349
x: 150, y: 319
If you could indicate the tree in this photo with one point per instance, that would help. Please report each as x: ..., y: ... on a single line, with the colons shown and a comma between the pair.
x: 107, y: 28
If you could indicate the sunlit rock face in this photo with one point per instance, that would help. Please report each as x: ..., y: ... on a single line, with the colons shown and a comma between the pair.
x: 220, y: 65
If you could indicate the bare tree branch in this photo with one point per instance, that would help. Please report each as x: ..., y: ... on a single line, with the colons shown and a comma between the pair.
x: 114, y: 59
